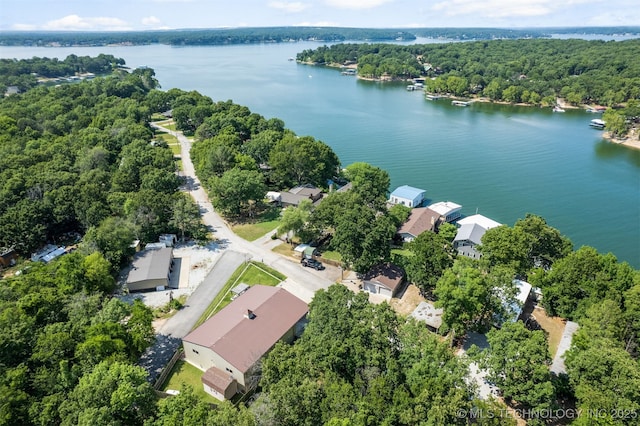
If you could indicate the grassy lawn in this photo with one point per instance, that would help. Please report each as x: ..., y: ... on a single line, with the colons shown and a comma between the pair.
x: 250, y: 273
x: 171, y: 126
x: 183, y: 372
x: 283, y: 249
x: 267, y: 222
x: 158, y: 117
x: 175, y: 148
x: 253, y: 231
x: 332, y: 255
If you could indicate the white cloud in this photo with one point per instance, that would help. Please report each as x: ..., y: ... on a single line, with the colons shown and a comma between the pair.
x: 356, y: 4
x: 494, y: 8
x: 151, y: 21
x: 23, y: 27
x: 291, y: 7
x: 78, y: 23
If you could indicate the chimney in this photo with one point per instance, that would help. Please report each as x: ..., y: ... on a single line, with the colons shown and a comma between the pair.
x: 250, y: 315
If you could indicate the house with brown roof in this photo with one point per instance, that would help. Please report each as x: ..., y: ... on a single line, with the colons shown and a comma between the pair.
x: 420, y: 220
x: 229, y: 345
x: 385, y: 279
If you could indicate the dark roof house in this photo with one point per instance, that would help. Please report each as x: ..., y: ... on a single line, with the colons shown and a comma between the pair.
x: 420, y: 220
x: 385, y: 279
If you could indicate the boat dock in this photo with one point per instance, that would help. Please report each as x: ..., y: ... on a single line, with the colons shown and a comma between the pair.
x: 460, y: 103
x: 597, y: 123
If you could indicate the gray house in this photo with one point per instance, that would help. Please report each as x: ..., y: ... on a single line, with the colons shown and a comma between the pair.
x: 468, y: 237
x: 150, y: 269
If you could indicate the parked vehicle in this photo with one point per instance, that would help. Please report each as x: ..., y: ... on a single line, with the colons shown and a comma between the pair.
x: 312, y: 263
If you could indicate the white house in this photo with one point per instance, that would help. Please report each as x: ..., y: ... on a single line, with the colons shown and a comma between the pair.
x: 408, y: 196
x: 481, y: 220
x: 447, y: 209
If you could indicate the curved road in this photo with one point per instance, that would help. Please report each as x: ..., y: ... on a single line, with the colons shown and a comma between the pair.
x: 301, y: 282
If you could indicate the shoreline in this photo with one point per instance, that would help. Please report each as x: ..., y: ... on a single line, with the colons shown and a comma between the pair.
x: 631, y: 140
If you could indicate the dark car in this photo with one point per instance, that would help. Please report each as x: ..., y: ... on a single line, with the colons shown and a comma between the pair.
x: 312, y: 263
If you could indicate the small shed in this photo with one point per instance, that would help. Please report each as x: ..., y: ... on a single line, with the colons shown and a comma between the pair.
x: 8, y: 257
x: 168, y: 239
x: 239, y: 289
x: 299, y: 249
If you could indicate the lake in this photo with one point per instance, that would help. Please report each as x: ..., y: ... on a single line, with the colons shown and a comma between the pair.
x: 501, y: 161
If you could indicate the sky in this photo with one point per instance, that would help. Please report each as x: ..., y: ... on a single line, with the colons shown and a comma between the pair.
x: 126, y: 15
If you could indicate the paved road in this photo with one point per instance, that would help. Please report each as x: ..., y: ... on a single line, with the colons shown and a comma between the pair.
x: 301, y: 282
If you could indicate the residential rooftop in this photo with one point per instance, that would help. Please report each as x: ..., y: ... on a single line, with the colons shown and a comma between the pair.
x: 243, y: 331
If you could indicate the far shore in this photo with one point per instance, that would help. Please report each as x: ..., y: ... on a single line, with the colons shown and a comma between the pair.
x: 631, y: 140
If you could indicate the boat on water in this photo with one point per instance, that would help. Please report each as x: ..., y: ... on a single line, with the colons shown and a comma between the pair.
x: 460, y: 103
x: 433, y: 97
x: 597, y: 110
x: 597, y: 123
x: 411, y: 88
x: 557, y: 109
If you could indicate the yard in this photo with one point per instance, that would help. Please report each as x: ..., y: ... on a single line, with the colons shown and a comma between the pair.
x: 553, y: 326
x: 250, y: 273
x: 409, y: 301
x: 267, y: 222
x: 185, y: 373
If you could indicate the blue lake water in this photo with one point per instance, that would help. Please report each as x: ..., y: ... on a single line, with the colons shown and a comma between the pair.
x: 502, y: 161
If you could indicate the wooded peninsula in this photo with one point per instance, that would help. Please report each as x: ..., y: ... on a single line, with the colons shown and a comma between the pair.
x: 533, y: 72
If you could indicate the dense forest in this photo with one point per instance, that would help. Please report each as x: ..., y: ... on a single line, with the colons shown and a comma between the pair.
x: 82, y: 159
x: 24, y: 74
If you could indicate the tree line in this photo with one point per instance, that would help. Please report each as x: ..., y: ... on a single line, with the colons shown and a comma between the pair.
x: 24, y: 73
x: 288, y: 34
x: 204, y: 37
x: 82, y: 158
x: 528, y: 71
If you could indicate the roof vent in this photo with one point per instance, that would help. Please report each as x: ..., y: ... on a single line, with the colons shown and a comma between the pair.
x: 250, y: 315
